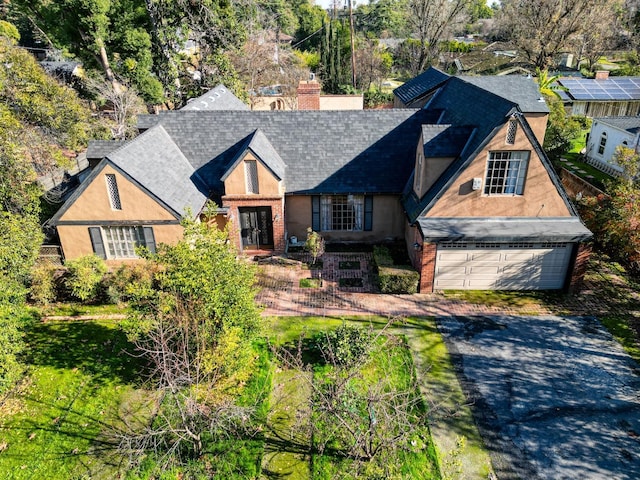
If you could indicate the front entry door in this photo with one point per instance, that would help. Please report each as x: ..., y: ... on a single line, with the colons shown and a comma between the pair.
x: 256, y: 228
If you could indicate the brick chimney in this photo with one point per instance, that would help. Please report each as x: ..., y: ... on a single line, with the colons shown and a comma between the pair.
x: 308, y: 95
x: 602, y: 74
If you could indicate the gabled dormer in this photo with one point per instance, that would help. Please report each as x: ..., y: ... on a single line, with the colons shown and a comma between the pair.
x: 438, y: 147
x: 256, y: 169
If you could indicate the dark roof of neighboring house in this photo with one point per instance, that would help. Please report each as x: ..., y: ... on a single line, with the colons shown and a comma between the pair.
x: 351, y: 151
x: 219, y: 98
x: 98, y: 149
x: 611, y: 89
x: 630, y: 124
x: 157, y: 164
x: 421, y: 85
x: 444, y: 140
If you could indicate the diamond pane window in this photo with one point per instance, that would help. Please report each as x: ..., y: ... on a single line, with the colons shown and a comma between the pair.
x: 511, y: 132
x: 112, y: 188
x: 251, y: 176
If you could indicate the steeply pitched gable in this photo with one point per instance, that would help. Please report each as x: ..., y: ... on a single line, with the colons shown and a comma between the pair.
x: 259, y: 145
x: 155, y: 161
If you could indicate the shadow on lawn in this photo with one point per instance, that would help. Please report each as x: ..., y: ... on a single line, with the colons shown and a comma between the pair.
x: 96, y: 349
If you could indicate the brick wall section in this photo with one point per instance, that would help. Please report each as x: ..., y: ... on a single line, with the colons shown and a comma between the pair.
x: 277, y: 216
x: 309, y: 95
x: 428, y: 267
x: 579, y: 267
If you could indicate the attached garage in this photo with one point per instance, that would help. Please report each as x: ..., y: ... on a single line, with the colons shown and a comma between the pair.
x: 501, y: 266
x: 499, y: 253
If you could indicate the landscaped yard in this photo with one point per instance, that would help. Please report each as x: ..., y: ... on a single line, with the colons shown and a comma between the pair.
x: 83, y: 385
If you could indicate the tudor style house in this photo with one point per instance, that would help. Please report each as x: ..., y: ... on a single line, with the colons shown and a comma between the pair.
x: 463, y: 180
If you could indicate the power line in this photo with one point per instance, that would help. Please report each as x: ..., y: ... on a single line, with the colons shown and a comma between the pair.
x: 307, y: 38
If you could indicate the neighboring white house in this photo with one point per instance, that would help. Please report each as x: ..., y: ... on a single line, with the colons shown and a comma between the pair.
x: 606, y: 135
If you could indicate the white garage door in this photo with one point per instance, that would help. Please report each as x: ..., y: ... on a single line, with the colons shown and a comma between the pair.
x: 501, y: 266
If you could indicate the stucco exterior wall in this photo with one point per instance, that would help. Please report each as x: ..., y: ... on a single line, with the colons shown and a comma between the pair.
x: 538, y: 123
x: 540, y: 197
x: 341, y: 102
x: 235, y: 183
x: 93, y: 204
x: 76, y: 242
x: 388, y: 220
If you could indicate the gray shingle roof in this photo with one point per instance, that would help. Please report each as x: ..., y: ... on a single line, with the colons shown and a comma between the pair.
x: 258, y: 143
x: 421, y: 85
x: 517, y: 89
x: 98, y: 149
x: 630, y: 124
x: 370, y: 151
x: 563, y: 229
x: 155, y: 162
x: 444, y: 140
x: 219, y: 98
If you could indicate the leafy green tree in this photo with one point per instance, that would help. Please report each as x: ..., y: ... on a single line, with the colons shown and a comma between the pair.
x: 548, y: 85
x: 335, y: 54
x: 614, y: 219
x: 84, y: 278
x: 311, y: 19
x: 562, y: 130
x: 196, y: 326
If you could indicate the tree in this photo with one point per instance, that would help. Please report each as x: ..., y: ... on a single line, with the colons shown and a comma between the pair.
x: 543, y: 28
x: 196, y: 328
x: 125, y: 104
x: 431, y: 22
x: 548, y: 85
x: 335, y: 52
x: 315, y: 244
x: 562, y: 129
x: 373, y: 63
x: 614, y: 219
x: 361, y: 406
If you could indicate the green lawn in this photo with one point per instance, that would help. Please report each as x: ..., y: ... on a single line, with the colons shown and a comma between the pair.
x: 78, y: 377
x: 81, y: 385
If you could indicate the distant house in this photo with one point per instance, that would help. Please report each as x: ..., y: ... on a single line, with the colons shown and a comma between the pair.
x: 606, y: 135
x: 307, y: 97
x: 463, y: 182
x: 602, y: 96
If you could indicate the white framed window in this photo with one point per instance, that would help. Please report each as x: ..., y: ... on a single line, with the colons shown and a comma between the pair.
x: 512, y: 128
x: 251, y: 176
x: 112, y: 189
x: 121, y: 241
x: 506, y: 172
x: 603, y: 143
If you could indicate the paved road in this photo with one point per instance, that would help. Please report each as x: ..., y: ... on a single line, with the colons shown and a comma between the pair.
x: 557, y: 397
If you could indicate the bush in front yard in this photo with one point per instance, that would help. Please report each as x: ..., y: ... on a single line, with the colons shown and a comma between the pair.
x: 42, y: 290
x: 382, y: 256
x: 84, y: 277
x: 398, y: 279
x: 123, y: 281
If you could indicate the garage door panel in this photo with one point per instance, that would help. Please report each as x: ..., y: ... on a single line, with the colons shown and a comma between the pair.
x: 507, y: 268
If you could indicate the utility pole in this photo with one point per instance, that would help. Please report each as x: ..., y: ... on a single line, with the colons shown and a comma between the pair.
x: 353, y: 47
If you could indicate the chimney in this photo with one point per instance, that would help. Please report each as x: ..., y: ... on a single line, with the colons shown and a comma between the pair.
x: 602, y: 74
x: 308, y: 95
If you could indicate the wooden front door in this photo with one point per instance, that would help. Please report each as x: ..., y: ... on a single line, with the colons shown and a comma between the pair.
x: 256, y: 228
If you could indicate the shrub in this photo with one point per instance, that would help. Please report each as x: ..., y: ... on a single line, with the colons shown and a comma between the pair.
x: 43, y: 284
x: 84, y: 277
x: 398, y: 279
x: 345, y: 345
x: 315, y: 244
x: 122, y: 282
x: 382, y: 256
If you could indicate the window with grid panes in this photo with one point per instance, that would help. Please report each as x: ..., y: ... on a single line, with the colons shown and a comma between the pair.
x: 114, y: 194
x: 603, y: 143
x: 121, y: 241
x: 506, y: 172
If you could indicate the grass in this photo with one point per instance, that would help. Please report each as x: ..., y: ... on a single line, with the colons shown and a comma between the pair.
x: 77, y: 310
x: 53, y: 424
x: 349, y: 265
x: 619, y: 327
x: 599, y: 179
x: 528, y: 299
x: 310, y: 283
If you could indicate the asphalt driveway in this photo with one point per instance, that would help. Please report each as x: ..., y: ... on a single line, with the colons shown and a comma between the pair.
x: 555, y: 397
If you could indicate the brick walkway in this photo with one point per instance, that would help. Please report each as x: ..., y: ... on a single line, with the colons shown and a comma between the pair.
x: 281, y: 295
